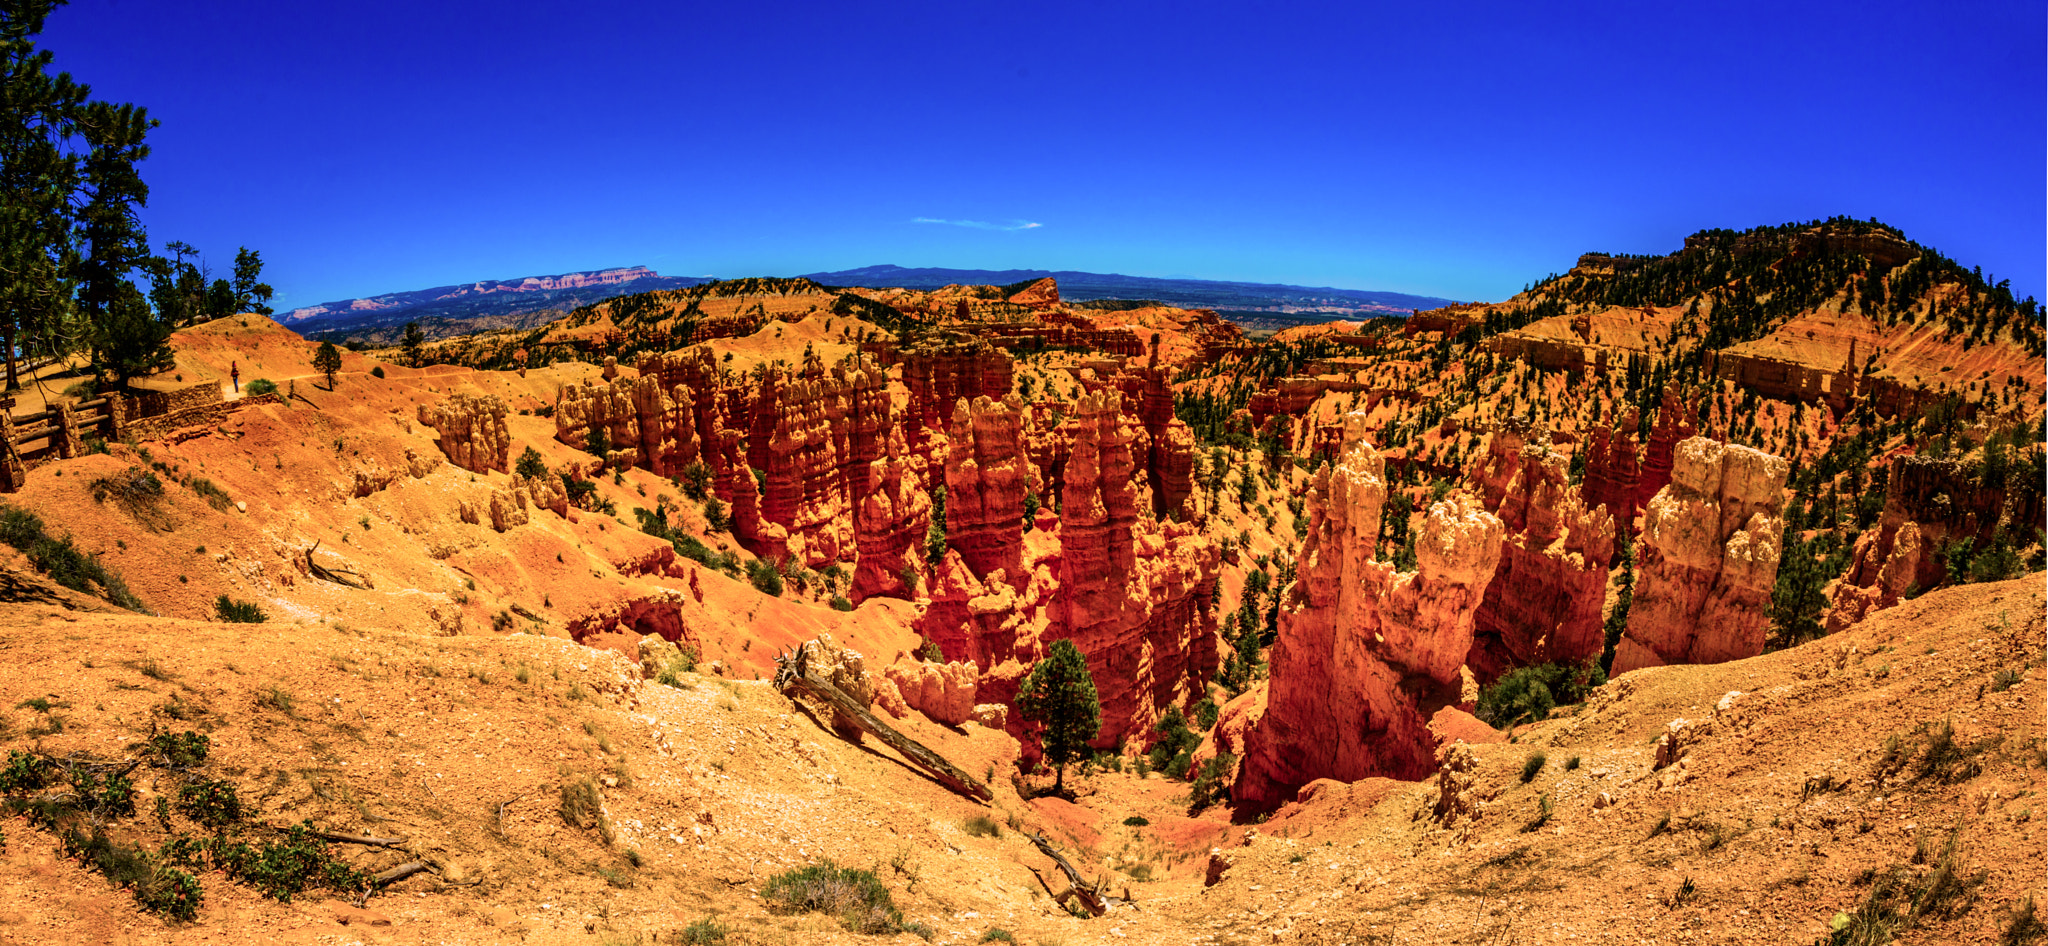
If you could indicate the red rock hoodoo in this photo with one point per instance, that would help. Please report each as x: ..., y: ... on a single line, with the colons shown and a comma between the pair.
x: 1365, y: 654
x: 1707, y: 559
x: 1544, y: 602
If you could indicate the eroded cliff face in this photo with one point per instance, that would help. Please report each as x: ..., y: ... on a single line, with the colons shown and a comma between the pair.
x: 818, y: 467
x: 473, y: 432
x: 1707, y: 559
x: 1544, y: 603
x: 809, y: 432
x: 1366, y: 654
x: 1130, y: 589
x: 889, y: 527
x: 1928, y: 503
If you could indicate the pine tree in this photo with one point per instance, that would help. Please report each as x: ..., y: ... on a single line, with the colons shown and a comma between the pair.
x: 327, y: 361
x: 250, y: 295
x: 1060, y: 696
x: 414, y: 342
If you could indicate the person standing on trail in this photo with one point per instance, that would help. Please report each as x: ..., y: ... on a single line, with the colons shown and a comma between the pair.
x: 235, y: 372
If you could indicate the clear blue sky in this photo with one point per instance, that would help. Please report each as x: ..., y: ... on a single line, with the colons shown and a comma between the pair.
x: 1457, y: 150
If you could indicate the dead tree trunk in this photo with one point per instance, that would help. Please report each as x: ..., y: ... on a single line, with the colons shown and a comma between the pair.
x: 1092, y: 894
x: 793, y: 674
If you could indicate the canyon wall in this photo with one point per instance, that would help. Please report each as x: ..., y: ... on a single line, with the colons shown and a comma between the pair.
x: 1366, y: 654
x: 472, y: 431
x: 1707, y: 559
x: 1544, y: 603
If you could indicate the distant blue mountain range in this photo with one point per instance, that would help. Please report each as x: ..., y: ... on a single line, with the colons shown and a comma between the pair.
x: 524, y: 303
x: 1186, y: 293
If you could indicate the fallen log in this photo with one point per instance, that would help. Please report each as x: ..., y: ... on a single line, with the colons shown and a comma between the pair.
x: 339, y: 576
x: 1092, y: 894
x: 398, y: 873
x: 793, y: 673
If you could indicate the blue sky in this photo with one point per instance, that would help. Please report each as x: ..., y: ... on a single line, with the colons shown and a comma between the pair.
x: 1456, y: 150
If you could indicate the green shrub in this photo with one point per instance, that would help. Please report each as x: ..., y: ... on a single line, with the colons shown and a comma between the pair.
x: 685, y: 661
x: 581, y: 806
x: 285, y: 867
x: 1136, y: 821
x: 1208, y: 787
x: 704, y: 932
x: 982, y: 826
x: 167, y: 891
x: 1205, y: 714
x: 210, y: 802
x: 1528, y: 693
x: 26, y: 772
x: 997, y: 934
x: 214, y: 495
x: 765, y: 578
x: 1532, y: 765
x: 230, y: 611
x: 856, y: 897
x: 377, y: 371
x: 259, y: 387
x: 1172, y: 754
x: 62, y: 561
x: 841, y: 603
x: 530, y: 465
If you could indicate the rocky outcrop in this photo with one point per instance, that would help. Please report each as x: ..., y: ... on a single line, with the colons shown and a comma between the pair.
x: 1043, y: 293
x: 1707, y: 559
x: 1928, y: 505
x: 1132, y: 591
x: 809, y: 432
x: 943, y: 692
x: 987, y: 476
x: 889, y: 527
x: 1544, y: 603
x: 1613, y: 471
x: 1674, y: 423
x: 938, y: 373
x: 1366, y: 654
x: 472, y: 431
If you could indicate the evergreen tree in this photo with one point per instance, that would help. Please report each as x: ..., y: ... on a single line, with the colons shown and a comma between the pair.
x: 250, y: 295
x: 1059, y: 695
x: 327, y: 361
x: 128, y: 340
x: 414, y: 343
x: 39, y: 175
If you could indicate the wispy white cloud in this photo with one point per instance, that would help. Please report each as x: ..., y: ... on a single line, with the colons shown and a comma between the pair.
x: 981, y: 224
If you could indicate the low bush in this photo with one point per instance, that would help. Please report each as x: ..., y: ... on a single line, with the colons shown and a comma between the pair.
x: 1528, y: 694
x: 1532, y: 765
x: 982, y: 826
x: 765, y: 578
x: 704, y: 932
x: 62, y: 561
x: 230, y: 611
x: 855, y: 897
x: 259, y: 387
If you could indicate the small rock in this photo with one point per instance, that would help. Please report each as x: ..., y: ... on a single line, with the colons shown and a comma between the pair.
x: 1602, y: 800
x: 241, y: 506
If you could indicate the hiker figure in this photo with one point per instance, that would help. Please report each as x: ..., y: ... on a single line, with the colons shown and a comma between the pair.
x: 235, y: 372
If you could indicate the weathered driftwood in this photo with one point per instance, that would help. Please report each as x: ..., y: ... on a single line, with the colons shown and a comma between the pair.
x: 398, y: 873
x: 339, y: 576
x: 357, y: 839
x: 793, y: 673
x: 1092, y: 894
